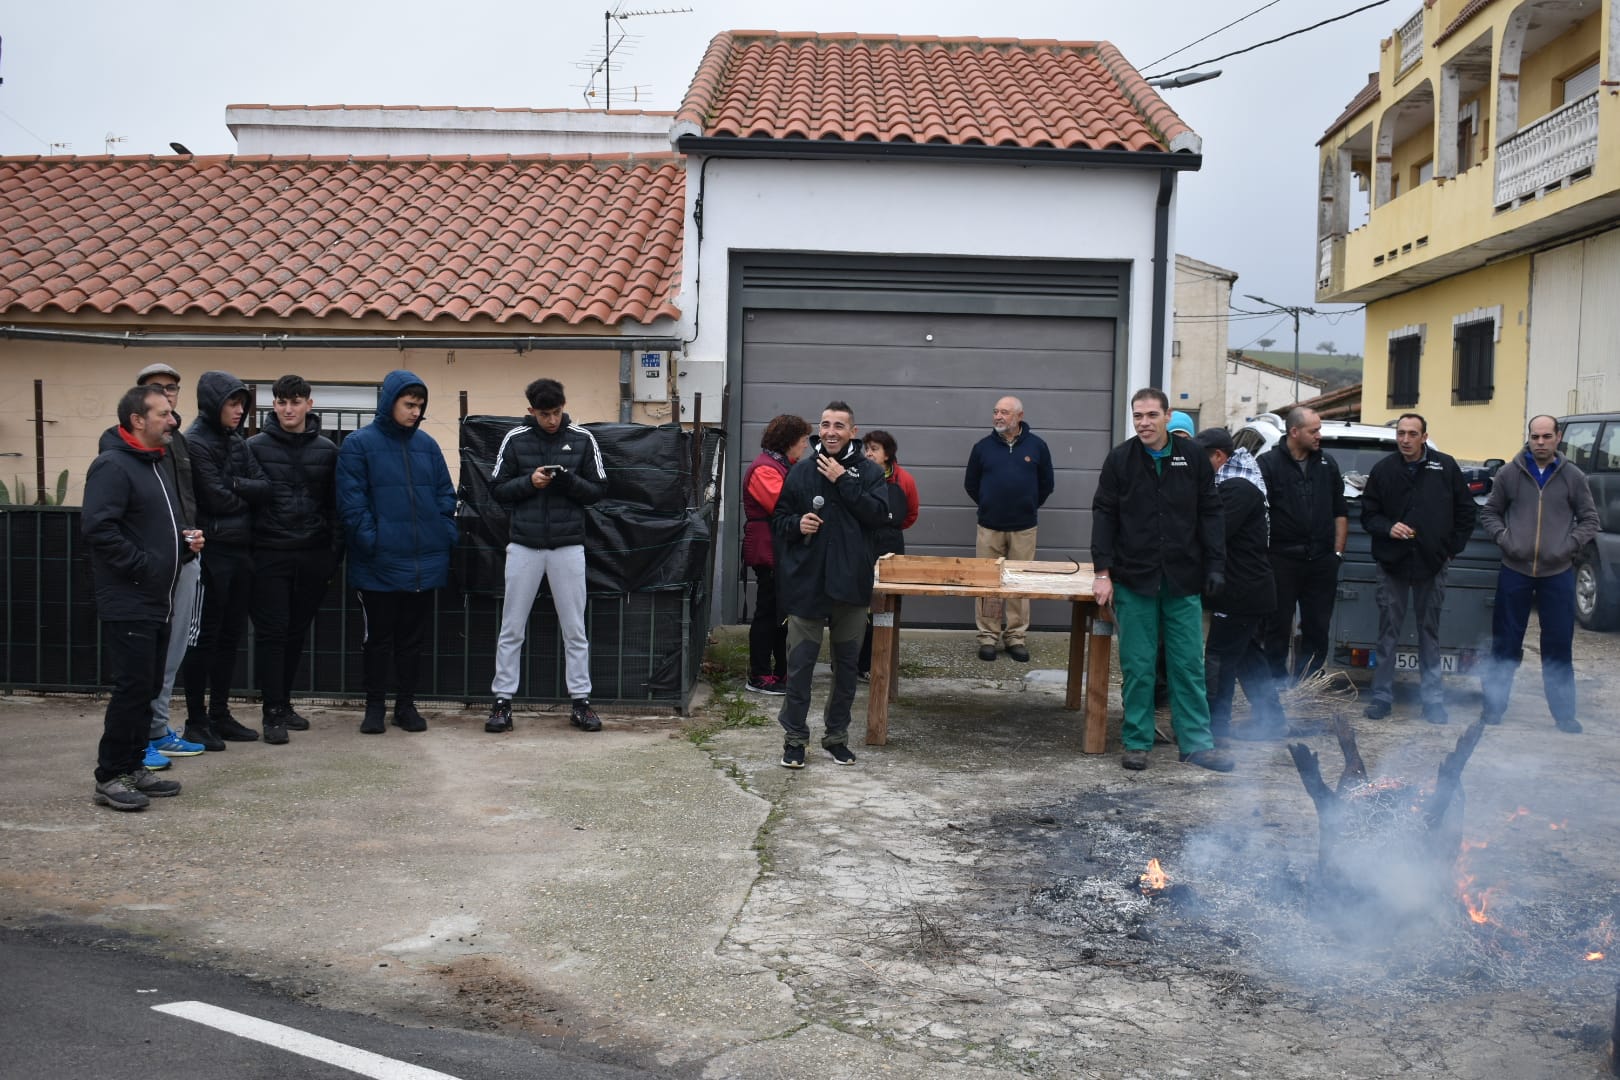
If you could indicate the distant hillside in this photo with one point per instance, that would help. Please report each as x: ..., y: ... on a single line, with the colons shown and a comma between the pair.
x: 1338, y: 370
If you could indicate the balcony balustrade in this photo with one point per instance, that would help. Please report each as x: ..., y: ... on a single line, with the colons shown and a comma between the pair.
x: 1411, y: 38
x: 1560, y: 147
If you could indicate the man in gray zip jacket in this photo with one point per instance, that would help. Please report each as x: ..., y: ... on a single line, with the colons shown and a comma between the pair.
x: 1540, y: 513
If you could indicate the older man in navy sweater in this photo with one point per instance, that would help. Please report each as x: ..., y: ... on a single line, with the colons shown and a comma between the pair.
x: 1009, y: 478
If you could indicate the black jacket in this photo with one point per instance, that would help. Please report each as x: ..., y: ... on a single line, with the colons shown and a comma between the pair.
x: 1148, y: 526
x: 301, y: 512
x: 833, y: 564
x: 131, y: 524
x: 1303, y: 505
x: 1432, y: 498
x: 177, y: 459
x: 889, y: 538
x: 225, y: 475
x: 554, y: 516
x: 1250, y: 587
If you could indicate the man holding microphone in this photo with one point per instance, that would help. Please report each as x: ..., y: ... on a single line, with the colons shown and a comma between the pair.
x: 831, y: 502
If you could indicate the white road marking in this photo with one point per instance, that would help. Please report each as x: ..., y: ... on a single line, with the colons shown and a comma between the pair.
x: 362, y: 1062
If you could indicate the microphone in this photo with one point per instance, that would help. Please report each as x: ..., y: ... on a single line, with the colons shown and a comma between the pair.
x: 815, y: 507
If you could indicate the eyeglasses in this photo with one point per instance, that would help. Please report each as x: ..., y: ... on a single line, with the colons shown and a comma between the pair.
x: 166, y: 387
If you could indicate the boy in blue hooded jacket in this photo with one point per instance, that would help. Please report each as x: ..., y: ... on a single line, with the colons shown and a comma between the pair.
x: 399, y: 514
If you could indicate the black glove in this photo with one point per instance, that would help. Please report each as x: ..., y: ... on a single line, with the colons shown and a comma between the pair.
x: 1214, y: 583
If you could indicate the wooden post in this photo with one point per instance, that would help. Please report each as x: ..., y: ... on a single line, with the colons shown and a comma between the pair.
x: 1078, y: 622
x: 894, y: 653
x: 883, y: 652
x: 1099, y: 647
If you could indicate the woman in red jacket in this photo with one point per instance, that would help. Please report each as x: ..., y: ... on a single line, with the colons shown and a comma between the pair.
x: 785, y: 441
x: 881, y: 451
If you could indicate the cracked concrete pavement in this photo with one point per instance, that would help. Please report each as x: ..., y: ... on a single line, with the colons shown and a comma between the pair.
x: 696, y: 909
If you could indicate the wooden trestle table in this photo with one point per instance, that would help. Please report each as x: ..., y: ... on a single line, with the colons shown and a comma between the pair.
x: 1090, y: 634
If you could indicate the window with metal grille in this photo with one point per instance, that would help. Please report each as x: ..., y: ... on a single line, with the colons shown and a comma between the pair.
x: 1404, y: 355
x: 1474, y: 363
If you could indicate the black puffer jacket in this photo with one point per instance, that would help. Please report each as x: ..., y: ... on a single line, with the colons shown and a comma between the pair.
x: 833, y: 564
x: 1149, y: 526
x: 131, y: 524
x: 553, y: 516
x: 1432, y: 498
x: 302, y: 469
x: 225, y: 475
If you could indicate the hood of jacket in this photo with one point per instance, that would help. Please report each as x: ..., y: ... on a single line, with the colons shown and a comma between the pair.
x: 272, y: 426
x: 112, y: 440
x: 213, y: 390
x: 394, y: 384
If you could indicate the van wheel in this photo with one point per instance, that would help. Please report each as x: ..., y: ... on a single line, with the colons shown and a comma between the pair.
x: 1597, y: 604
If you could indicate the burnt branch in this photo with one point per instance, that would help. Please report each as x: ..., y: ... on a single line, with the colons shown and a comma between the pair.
x: 1449, y: 779
x: 1310, y: 774
x: 1355, y: 770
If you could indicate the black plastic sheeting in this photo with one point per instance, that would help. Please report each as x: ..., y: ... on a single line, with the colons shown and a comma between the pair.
x: 652, y: 532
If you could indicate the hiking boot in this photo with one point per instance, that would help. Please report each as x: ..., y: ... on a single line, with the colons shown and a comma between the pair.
x: 1377, y: 710
x: 1436, y: 714
x: 792, y: 756
x: 376, y: 718
x: 583, y: 716
x: 292, y: 721
x: 1213, y: 760
x: 1018, y: 653
x: 1569, y: 724
x: 154, y: 760
x: 120, y: 794
x: 171, y: 745
x: 766, y: 684
x: 144, y: 782
x: 203, y: 735
x: 841, y: 754
x: 500, y: 717
x: 1135, y: 760
x: 987, y: 652
x: 231, y: 729
x: 406, y: 718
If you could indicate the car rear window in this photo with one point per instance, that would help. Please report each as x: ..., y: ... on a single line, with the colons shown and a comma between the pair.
x: 1357, y: 455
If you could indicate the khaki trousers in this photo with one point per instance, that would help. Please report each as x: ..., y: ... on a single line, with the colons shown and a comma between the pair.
x: 1014, y: 547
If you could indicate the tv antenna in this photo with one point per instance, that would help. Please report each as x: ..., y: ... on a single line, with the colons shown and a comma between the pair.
x: 110, y: 140
x: 612, y: 21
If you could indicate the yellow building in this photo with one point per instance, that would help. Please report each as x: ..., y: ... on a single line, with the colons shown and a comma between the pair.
x: 1470, y: 197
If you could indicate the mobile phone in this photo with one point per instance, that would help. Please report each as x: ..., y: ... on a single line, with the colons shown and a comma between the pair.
x: 551, y: 470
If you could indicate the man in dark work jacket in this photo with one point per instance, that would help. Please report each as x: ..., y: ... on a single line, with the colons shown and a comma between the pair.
x: 1310, y: 522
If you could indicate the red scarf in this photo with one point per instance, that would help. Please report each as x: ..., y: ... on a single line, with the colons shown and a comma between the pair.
x: 136, y: 444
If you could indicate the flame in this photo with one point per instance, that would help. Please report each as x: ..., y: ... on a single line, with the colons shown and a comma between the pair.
x: 1155, y: 879
x: 1477, y: 902
x: 1522, y: 811
x: 1556, y: 825
x: 1594, y: 955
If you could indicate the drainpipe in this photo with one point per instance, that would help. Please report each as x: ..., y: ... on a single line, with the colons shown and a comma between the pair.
x: 626, y: 373
x: 1161, y: 275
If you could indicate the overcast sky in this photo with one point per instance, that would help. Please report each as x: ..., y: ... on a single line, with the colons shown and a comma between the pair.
x: 152, y: 71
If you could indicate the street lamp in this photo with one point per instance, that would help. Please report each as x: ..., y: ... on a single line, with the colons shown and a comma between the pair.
x: 1186, y: 78
x: 1295, y: 311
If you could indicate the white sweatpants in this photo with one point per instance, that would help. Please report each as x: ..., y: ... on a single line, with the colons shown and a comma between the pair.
x: 526, y: 568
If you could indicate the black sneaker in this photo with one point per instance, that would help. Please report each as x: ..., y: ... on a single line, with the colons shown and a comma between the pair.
x: 1377, y: 710
x: 231, y: 729
x: 767, y: 684
x: 500, y: 717
x: 120, y: 794
x: 792, y: 756
x: 583, y: 716
x: 275, y: 734
x: 202, y: 733
x: 1018, y: 654
x: 148, y: 783
x: 987, y: 652
x: 292, y: 721
x: 841, y: 754
x: 406, y: 718
x: 376, y: 719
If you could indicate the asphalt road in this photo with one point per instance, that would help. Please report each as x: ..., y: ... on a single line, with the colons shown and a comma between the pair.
x: 72, y: 1009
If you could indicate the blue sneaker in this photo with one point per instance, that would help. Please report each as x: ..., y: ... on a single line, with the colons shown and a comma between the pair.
x: 172, y: 745
x: 155, y: 760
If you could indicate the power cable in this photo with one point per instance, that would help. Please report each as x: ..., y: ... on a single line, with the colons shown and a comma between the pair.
x: 1269, y: 41
x: 1212, y: 33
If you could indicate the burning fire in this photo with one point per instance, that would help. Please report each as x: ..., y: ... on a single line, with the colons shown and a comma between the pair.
x: 1594, y: 956
x: 1477, y: 902
x: 1556, y: 825
x: 1522, y: 811
x: 1154, y: 880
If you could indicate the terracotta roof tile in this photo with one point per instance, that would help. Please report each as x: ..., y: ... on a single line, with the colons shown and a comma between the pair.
x: 1364, y: 97
x: 1469, y: 10
x: 956, y: 91
x: 443, y: 238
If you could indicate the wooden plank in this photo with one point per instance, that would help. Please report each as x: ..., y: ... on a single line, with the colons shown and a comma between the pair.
x: 883, y: 650
x: 1094, y: 737
x: 1079, y: 622
x: 894, y: 654
x: 939, y: 570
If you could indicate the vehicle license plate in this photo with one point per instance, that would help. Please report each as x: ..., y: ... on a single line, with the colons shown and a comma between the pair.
x: 1407, y: 660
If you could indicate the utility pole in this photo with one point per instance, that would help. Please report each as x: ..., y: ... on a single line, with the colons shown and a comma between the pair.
x: 1296, y: 312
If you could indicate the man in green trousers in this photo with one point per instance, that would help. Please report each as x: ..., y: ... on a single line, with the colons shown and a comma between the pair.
x: 1158, y: 539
